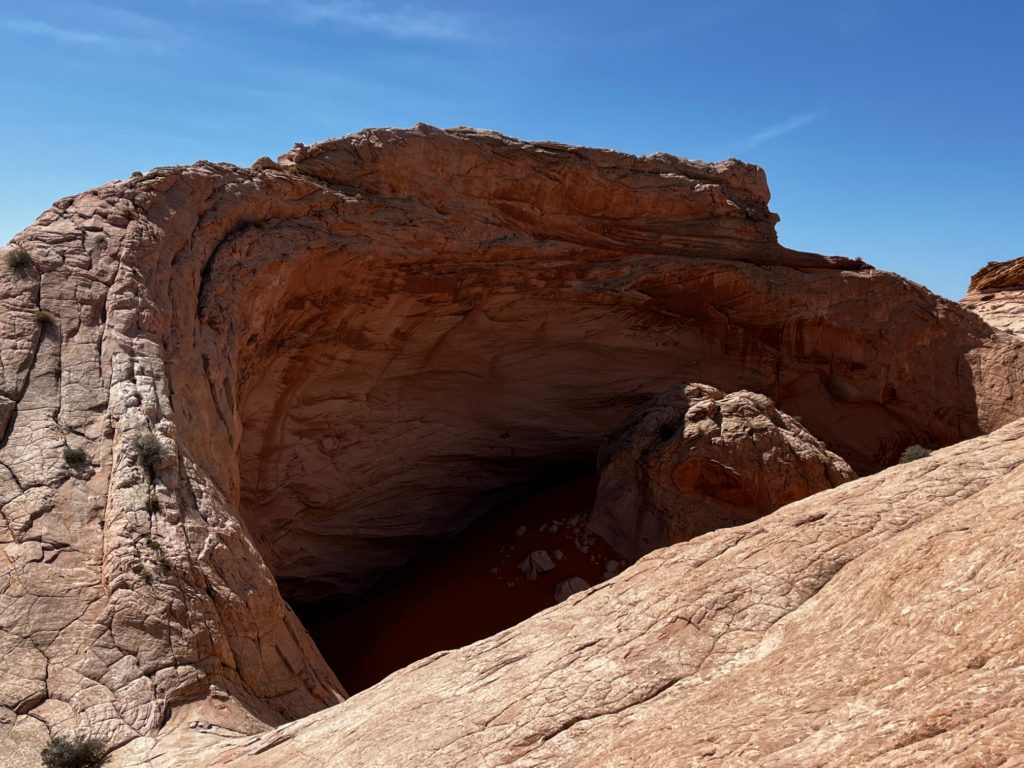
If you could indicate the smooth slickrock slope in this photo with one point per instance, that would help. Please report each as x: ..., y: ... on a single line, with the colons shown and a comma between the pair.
x: 351, y: 353
x: 696, y: 459
x: 877, y: 624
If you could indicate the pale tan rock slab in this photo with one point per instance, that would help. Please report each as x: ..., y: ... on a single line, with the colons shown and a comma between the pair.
x: 875, y: 624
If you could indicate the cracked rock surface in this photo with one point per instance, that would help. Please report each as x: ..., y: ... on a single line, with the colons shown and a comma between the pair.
x: 339, y: 357
x: 876, y: 624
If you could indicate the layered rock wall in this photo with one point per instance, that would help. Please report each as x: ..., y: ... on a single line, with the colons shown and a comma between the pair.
x: 352, y: 352
x: 996, y: 293
x: 403, y: 324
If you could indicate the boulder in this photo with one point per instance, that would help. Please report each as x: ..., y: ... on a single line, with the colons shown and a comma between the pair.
x: 536, y: 563
x: 569, y: 587
x: 696, y: 459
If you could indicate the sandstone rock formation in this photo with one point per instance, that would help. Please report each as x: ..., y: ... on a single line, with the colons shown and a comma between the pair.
x: 399, y: 325
x: 350, y: 353
x: 997, y: 294
x: 876, y: 624
x: 695, y: 460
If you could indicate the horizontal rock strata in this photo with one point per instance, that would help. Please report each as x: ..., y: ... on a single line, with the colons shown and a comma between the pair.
x: 997, y: 294
x: 340, y: 357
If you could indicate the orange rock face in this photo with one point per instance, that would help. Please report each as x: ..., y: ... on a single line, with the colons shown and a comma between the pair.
x: 398, y: 325
x: 695, y: 460
x: 348, y: 354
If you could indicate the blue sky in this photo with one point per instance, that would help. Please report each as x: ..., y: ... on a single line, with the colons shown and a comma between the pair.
x: 890, y: 130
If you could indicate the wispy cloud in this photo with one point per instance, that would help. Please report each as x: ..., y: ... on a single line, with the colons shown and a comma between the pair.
x: 794, y: 123
x: 62, y: 34
x: 405, y: 22
x: 133, y: 32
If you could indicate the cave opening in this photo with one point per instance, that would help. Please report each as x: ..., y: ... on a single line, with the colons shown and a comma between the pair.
x: 389, y: 446
x: 528, y: 552
x: 379, y: 412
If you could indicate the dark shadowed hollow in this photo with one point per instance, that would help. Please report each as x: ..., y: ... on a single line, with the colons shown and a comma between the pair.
x: 466, y: 588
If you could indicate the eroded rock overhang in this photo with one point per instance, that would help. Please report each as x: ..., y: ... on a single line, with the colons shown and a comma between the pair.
x: 353, y: 351
x: 369, y: 340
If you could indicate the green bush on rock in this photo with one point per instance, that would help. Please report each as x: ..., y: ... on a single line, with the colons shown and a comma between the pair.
x: 79, y: 752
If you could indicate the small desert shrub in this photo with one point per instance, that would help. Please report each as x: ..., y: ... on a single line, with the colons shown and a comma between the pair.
x: 45, y: 317
x: 18, y: 259
x: 154, y: 545
x: 75, y: 457
x: 913, y: 453
x: 79, y: 752
x: 149, y: 452
x: 153, y: 503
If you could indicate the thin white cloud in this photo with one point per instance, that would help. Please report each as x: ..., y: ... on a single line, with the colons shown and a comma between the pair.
x: 794, y: 123
x: 62, y: 34
x: 405, y: 22
x: 134, y: 33
x: 126, y: 23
